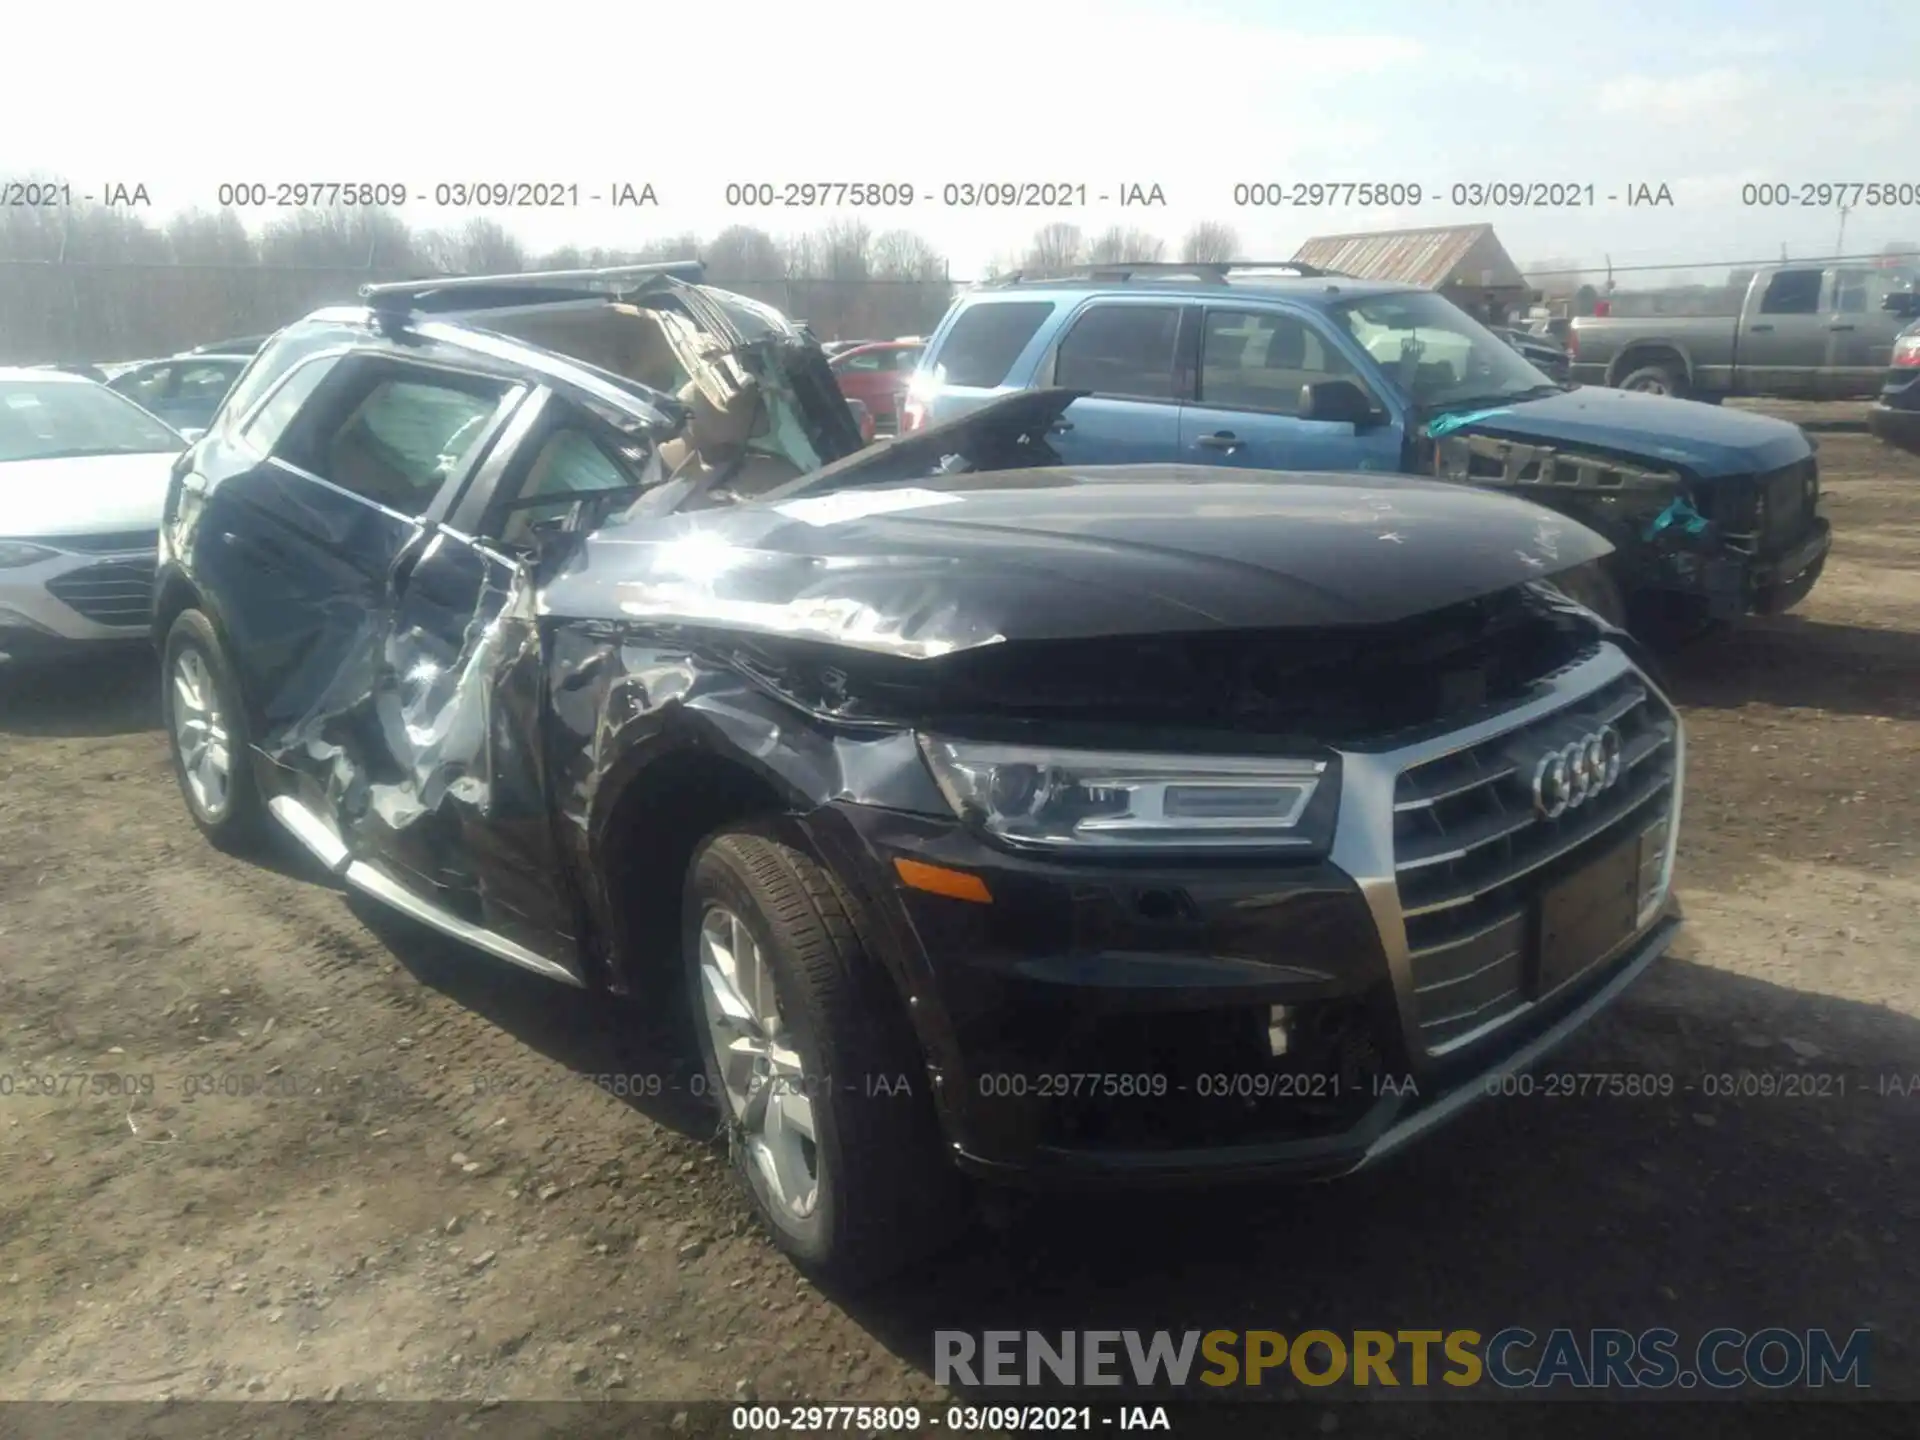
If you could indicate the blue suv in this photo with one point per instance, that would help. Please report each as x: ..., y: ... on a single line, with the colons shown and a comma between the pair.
x: 1713, y: 513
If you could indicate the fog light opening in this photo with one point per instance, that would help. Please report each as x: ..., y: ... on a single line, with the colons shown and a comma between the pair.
x: 1279, y: 1028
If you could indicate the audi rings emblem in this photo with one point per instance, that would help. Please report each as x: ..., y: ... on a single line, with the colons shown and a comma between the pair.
x: 1574, y: 773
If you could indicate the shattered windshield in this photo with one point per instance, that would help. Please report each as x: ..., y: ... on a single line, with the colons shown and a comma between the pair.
x: 1438, y: 355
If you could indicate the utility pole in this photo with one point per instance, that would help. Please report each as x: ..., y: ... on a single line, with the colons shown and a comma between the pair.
x: 1840, y: 240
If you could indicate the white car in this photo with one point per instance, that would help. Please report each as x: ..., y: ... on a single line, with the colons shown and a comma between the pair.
x: 83, y: 474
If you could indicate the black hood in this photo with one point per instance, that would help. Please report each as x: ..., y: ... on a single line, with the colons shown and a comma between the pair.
x: 961, y: 561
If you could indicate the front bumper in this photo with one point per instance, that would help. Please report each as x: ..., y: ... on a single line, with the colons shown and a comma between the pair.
x: 1394, y: 1121
x: 1109, y: 1022
x: 1897, y: 427
x: 71, y: 602
x: 1731, y: 585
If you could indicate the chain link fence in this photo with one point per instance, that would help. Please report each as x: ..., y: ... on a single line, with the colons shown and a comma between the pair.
x: 101, y: 312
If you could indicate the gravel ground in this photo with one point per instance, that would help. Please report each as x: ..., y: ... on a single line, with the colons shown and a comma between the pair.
x: 423, y: 1192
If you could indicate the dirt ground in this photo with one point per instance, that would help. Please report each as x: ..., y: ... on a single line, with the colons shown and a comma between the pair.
x: 372, y: 1164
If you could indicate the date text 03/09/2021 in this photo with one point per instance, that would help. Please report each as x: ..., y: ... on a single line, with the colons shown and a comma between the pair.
x: 1270, y: 193
x: 960, y: 1419
x: 979, y: 194
x: 549, y: 194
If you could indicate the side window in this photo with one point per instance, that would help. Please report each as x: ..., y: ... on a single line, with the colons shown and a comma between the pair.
x: 570, y: 464
x: 280, y: 354
x: 1854, y: 291
x: 1260, y: 361
x: 264, y: 430
x: 1121, y: 350
x: 985, y: 341
x: 205, y: 382
x: 392, y: 433
x: 145, y: 387
x: 1792, y: 292
x: 866, y: 360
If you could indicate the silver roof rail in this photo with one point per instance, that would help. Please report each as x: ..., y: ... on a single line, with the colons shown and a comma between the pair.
x: 394, y: 293
x: 1214, y: 272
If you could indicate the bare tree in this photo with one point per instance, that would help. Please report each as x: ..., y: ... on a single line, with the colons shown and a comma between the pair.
x: 741, y: 254
x: 748, y: 260
x: 903, y: 255
x: 1210, y: 241
x: 480, y: 247
x: 92, y: 282
x: 1054, y: 248
x: 1120, y: 243
x: 911, y: 287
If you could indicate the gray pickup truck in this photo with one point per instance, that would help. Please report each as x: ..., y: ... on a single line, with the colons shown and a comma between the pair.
x: 1805, y: 332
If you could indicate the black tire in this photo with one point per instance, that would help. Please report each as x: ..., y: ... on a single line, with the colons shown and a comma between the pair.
x: 1594, y: 587
x: 1658, y: 379
x: 888, y: 1194
x: 237, y: 822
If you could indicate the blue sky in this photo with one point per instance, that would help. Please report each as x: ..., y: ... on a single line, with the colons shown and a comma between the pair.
x: 1701, y: 95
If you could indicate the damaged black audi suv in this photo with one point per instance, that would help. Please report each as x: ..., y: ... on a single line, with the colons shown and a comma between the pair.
x: 991, y: 819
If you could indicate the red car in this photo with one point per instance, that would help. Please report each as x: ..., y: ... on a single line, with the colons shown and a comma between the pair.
x: 863, y: 417
x: 876, y: 375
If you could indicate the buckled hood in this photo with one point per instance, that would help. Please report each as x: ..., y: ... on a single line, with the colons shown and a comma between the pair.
x: 960, y: 561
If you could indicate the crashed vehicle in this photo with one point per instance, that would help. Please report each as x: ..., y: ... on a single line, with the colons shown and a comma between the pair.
x: 986, y: 816
x: 1713, y: 514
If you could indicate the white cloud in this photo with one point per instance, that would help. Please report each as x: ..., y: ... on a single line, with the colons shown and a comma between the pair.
x: 1702, y: 95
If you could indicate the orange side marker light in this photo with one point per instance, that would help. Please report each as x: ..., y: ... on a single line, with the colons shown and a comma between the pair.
x: 938, y: 880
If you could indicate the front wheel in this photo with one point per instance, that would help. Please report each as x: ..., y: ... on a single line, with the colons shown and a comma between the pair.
x: 1655, y: 380
x: 829, y: 1117
x: 207, y: 733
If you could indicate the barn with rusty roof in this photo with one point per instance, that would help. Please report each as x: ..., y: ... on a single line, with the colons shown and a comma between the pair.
x: 1465, y: 262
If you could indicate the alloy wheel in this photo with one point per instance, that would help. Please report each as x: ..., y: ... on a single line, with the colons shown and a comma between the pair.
x: 200, y: 733
x: 768, y: 1098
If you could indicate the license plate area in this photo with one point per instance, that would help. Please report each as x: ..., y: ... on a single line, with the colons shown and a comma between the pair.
x: 1586, y: 916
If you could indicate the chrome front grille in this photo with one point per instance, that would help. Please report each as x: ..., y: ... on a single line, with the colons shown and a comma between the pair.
x: 1473, y: 851
x: 113, y: 592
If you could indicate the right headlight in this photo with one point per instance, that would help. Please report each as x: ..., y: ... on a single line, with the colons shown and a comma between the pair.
x: 15, y: 553
x: 1122, y: 800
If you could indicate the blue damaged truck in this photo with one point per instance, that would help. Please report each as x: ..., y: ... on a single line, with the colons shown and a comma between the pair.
x: 1713, y: 514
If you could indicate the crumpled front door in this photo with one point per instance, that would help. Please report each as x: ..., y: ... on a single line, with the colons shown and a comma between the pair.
x: 455, y: 805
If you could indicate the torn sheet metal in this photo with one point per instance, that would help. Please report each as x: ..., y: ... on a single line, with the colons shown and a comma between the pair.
x: 623, y: 702
x: 756, y: 386
x: 424, y: 749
